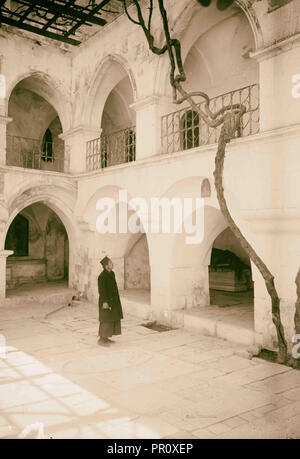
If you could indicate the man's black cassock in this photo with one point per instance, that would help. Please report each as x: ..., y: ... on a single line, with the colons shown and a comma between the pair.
x: 109, y: 293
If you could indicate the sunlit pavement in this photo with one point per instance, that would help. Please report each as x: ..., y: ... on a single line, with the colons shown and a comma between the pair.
x: 56, y: 382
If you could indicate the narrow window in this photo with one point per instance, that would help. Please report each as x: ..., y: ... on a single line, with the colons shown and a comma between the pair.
x: 47, y: 147
x: 190, y: 130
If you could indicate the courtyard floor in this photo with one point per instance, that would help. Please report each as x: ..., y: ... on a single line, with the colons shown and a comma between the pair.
x: 172, y: 384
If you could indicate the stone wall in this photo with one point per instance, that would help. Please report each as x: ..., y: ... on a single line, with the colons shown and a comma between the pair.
x: 137, y: 268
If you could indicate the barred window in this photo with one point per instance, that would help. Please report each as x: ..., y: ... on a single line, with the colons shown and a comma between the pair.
x: 190, y: 130
x: 47, y: 147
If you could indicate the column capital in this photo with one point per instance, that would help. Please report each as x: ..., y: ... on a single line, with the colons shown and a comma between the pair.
x: 5, y: 253
x: 5, y: 119
x: 150, y: 100
x: 277, y: 48
x: 81, y: 130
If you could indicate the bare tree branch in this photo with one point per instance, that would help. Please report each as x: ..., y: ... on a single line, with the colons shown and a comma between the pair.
x: 150, y: 15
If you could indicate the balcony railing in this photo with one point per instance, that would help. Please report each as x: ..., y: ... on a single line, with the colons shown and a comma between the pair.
x: 184, y: 129
x: 31, y: 154
x: 109, y: 150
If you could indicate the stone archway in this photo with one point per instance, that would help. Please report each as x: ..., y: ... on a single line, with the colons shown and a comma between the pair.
x: 46, y: 258
x: 189, y: 272
x: 46, y: 88
x: 109, y: 75
x: 230, y: 274
x: 198, y: 29
x: 33, y: 135
x: 61, y: 206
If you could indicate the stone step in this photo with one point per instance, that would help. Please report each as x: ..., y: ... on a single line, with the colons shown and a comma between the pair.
x: 56, y: 297
x: 230, y: 328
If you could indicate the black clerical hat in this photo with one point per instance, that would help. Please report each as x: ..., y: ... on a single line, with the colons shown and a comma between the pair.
x: 104, y: 261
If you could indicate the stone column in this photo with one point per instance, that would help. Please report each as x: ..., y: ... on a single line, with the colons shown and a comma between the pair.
x: 3, y: 256
x: 75, y: 147
x: 4, y: 120
x: 148, y: 124
x: 279, y: 80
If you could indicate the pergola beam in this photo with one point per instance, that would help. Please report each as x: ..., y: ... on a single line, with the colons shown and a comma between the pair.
x: 39, y: 31
x: 66, y: 11
x: 56, y: 19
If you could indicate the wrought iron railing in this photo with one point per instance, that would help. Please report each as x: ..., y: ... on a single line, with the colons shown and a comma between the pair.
x: 184, y: 129
x: 32, y: 154
x: 109, y: 150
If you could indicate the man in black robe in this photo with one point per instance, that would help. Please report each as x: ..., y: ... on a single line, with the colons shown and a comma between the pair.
x: 110, y: 309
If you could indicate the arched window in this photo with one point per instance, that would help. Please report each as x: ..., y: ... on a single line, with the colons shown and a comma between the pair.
x: 190, y: 130
x: 205, y: 189
x: 130, y: 145
x: 47, y: 147
x: 17, y: 237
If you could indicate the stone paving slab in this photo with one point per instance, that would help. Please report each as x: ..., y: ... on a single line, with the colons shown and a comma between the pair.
x: 148, y: 384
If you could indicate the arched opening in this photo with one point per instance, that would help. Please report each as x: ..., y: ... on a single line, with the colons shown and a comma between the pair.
x: 118, y: 232
x: 205, y: 189
x: 33, y: 136
x: 217, y: 66
x: 41, y: 248
x: 108, y: 108
x: 118, y: 126
x: 223, y: 69
x: 230, y: 276
x: 211, y: 280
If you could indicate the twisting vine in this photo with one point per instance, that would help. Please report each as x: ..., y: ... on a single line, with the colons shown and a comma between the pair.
x: 230, y: 117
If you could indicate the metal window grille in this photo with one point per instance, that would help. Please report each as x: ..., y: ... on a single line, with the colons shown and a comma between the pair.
x: 30, y: 154
x: 109, y: 150
x: 184, y: 129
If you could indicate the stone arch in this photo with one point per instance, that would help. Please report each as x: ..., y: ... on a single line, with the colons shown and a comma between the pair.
x: 253, y: 21
x: 210, y: 17
x: 54, y: 201
x: 102, y: 84
x: 118, y: 244
x: 189, y: 268
x: 47, y: 88
x: 185, y: 266
x: 188, y: 30
x: 230, y: 272
x: 205, y: 189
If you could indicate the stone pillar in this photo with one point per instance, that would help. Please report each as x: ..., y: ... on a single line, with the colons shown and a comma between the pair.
x: 4, y: 120
x: 279, y: 84
x: 275, y: 239
x: 148, y: 124
x: 75, y: 146
x: 3, y: 255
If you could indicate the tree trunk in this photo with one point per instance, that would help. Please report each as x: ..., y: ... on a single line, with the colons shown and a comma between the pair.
x: 230, y: 123
x: 225, y: 136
